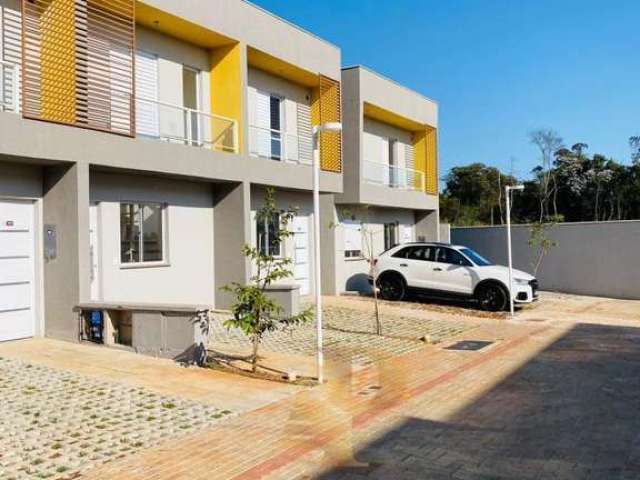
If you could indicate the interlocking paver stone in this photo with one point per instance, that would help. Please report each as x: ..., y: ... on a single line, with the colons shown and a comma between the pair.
x: 55, y: 423
x: 349, y: 335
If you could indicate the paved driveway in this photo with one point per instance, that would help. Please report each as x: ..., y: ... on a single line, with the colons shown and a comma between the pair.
x: 554, y: 395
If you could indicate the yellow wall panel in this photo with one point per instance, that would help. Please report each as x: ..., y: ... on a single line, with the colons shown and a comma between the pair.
x: 58, y: 61
x: 226, y: 95
x: 425, y: 151
x: 420, y: 156
x: 325, y: 107
x: 431, y: 168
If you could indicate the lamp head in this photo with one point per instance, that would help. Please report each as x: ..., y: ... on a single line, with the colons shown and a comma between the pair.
x: 335, y: 127
x: 518, y: 188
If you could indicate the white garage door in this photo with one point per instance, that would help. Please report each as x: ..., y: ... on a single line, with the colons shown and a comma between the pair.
x: 301, y: 270
x: 17, y: 319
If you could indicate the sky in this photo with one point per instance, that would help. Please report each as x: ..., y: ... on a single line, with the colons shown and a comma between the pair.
x: 497, y: 68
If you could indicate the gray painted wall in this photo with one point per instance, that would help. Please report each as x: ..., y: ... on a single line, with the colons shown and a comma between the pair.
x: 232, y: 216
x: 66, y: 278
x: 19, y: 180
x: 60, y: 143
x: 598, y: 259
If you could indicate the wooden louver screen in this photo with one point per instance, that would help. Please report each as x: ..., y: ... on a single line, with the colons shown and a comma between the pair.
x: 78, y: 63
x: 326, y: 108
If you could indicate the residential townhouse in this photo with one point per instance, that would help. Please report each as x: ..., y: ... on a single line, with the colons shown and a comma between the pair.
x: 390, y: 176
x: 136, y: 143
x: 137, y: 140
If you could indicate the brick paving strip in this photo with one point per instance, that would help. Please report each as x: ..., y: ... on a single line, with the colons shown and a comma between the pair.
x: 319, y: 424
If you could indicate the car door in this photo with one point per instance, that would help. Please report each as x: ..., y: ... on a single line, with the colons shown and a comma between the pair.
x: 452, y: 271
x: 416, y: 264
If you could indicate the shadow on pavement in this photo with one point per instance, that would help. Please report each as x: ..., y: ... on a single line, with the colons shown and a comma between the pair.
x: 570, y: 413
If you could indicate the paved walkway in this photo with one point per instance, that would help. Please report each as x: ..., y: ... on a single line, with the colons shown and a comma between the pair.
x: 161, y: 376
x: 316, y: 430
x: 554, y: 396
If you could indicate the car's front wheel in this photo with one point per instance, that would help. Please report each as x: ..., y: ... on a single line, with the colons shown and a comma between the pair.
x: 392, y: 287
x: 492, y: 297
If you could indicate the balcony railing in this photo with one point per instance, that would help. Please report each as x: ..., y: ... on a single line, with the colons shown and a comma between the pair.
x: 276, y: 145
x: 394, y: 177
x: 9, y: 90
x: 176, y: 124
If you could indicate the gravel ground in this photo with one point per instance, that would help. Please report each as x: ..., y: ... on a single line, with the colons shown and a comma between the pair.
x: 56, y: 424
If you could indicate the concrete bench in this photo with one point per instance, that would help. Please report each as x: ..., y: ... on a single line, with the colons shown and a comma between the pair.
x: 179, y: 332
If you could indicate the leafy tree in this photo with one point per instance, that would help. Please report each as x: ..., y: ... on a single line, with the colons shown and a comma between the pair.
x: 473, y: 194
x: 634, y: 143
x: 570, y: 184
x: 253, y: 311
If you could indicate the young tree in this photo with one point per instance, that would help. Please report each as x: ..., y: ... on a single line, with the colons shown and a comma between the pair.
x: 253, y: 311
x: 541, y: 242
x: 368, y: 235
x: 548, y: 143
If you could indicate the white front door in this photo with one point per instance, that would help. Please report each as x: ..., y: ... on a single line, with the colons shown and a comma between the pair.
x: 17, y: 270
x: 94, y: 251
x: 301, y: 270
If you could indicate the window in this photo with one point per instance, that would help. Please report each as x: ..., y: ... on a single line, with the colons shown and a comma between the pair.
x: 191, y: 101
x: 478, y: 259
x: 275, y: 119
x: 267, y: 235
x: 390, y: 235
x: 352, y: 239
x: 141, y: 232
x: 452, y: 257
x: 393, y: 163
x: 423, y: 253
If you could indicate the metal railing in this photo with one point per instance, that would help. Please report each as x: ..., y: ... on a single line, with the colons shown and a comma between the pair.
x: 274, y: 144
x: 393, y: 176
x: 9, y: 87
x: 176, y: 124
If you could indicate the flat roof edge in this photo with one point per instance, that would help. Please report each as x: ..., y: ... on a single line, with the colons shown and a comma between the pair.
x: 395, y: 82
x: 291, y: 24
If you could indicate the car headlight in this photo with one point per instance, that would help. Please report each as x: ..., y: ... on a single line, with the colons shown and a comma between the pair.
x: 520, y: 281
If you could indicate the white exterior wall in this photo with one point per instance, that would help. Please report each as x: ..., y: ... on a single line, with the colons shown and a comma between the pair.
x: 188, y: 275
x: 352, y: 272
x: 172, y: 55
x: 285, y: 200
x: 384, y: 132
x: 296, y: 113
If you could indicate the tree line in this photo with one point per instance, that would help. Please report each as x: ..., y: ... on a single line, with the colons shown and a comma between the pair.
x: 569, y: 184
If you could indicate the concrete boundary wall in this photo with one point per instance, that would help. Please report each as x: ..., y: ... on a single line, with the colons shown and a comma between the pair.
x: 600, y: 258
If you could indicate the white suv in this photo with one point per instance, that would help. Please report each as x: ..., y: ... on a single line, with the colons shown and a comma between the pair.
x: 449, y: 270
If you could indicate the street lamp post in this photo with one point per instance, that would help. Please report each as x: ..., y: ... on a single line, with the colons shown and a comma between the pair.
x: 508, y: 190
x: 317, y: 130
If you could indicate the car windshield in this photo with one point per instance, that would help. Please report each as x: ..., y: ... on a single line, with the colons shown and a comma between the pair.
x: 478, y: 259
